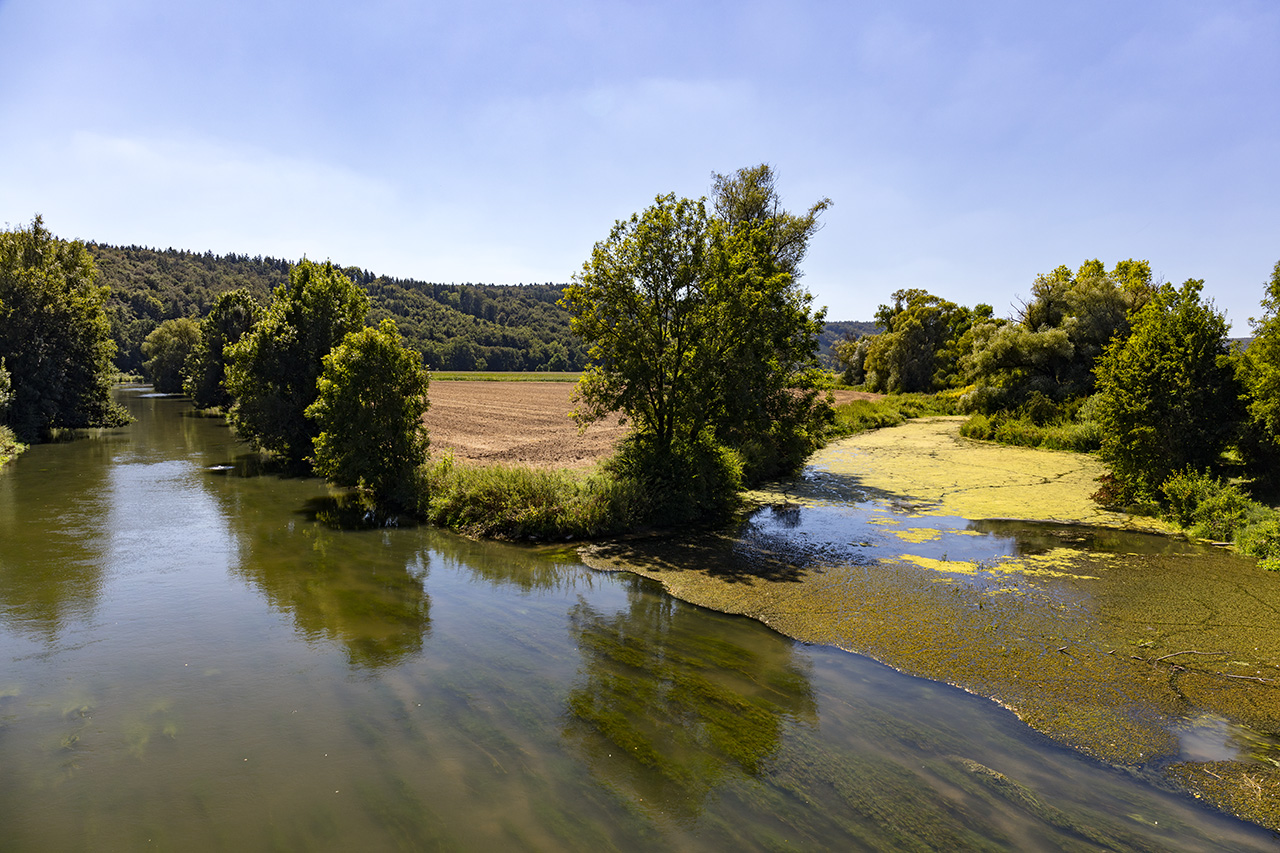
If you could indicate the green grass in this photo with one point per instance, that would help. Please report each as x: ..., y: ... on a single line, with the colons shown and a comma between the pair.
x: 1004, y: 428
x: 10, y: 447
x: 891, y: 410
x: 518, y: 502
x: 504, y: 376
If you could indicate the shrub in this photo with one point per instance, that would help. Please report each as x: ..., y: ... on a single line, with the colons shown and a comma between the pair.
x: 518, y: 502
x: 694, y: 483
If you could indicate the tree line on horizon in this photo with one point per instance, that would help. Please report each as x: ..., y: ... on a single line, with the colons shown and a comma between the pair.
x: 455, y: 326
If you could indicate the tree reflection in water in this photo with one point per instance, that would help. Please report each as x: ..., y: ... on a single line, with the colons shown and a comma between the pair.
x: 662, y: 709
x: 340, y: 586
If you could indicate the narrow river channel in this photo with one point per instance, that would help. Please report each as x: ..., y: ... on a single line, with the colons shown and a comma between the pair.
x: 192, y: 658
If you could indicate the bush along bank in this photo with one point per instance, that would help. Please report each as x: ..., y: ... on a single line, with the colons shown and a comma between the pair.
x: 1212, y: 509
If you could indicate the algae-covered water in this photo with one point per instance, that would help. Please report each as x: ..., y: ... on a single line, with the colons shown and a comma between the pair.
x: 1097, y: 628
x: 191, y: 658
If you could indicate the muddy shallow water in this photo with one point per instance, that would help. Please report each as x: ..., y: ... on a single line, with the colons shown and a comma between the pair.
x: 1135, y: 647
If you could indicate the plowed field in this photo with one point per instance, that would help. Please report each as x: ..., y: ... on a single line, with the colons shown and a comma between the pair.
x: 515, y: 422
x: 523, y: 422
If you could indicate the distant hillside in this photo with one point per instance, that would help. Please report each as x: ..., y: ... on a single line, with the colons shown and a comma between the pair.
x: 838, y: 329
x: 455, y: 326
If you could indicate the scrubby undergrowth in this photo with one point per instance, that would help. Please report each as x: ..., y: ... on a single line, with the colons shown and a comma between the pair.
x: 10, y: 447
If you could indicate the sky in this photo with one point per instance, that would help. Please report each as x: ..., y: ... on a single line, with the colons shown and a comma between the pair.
x: 966, y: 146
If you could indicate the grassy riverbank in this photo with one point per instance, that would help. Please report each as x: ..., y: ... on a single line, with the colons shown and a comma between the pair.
x: 10, y: 447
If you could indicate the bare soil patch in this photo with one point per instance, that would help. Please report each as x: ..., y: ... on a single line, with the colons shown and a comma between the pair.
x: 524, y: 423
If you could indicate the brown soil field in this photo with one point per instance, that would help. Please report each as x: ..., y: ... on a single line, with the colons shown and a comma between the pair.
x: 524, y: 423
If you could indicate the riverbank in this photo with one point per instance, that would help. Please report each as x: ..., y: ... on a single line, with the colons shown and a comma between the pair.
x: 931, y: 553
x: 10, y: 447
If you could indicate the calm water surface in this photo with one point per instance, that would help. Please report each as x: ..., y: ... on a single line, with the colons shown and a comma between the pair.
x: 190, y: 658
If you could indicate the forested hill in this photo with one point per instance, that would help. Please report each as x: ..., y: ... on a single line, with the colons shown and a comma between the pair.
x: 455, y: 326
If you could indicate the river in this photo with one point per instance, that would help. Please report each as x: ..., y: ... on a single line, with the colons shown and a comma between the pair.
x: 192, y: 656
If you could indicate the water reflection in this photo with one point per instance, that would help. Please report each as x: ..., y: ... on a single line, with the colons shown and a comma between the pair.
x: 53, y: 521
x: 364, y: 590
x: 663, y: 710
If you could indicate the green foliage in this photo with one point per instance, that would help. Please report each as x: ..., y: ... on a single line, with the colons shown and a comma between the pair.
x: 517, y: 502
x: 919, y: 350
x: 54, y: 335
x: 454, y: 326
x: 698, y: 332
x: 862, y: 415
x: 835, y: 333
x: 10, y: 447
x: 149, y: 286
x: 1261, y: 539
x: 166, y: 351
x: 1210, y: 508
x: 371, y: 397
x: 688, y: 482
x: 1038, y: 422
x: 1054, y: 347
x: 230, y: 319
x: 6, y: 389
x: 273, y: 369
x: 1259, y: 367
x: 1168, y: 396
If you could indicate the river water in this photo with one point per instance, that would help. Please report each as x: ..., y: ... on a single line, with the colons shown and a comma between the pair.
x: 192, y: 658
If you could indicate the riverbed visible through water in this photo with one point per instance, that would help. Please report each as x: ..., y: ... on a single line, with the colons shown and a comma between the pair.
x: 192, y: 656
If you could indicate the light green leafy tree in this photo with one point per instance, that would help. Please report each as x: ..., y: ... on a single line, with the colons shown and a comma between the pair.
x: 1260, y: 372
x: 1054, y: 346
x: 920, y: 347
x: 231, y: 317
x: 55, y: 338
x: 166, y: 350
x: 641, y: 304
x: 1168, y: 394
x: 698, y: 332
x: 273, y: 369
x: 372, y: 395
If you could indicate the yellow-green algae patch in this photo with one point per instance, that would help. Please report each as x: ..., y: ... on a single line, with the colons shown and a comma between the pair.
x: 1053, y: 565
x: 926, y: 467
x: 1107, y: 640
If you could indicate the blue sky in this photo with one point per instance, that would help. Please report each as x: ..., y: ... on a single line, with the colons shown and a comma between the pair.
x: 966, y: 146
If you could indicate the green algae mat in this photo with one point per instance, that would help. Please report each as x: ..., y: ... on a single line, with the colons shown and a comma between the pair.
x: 988, y: 567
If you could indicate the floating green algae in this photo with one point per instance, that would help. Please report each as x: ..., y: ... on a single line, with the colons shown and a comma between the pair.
x: 1092, y: 628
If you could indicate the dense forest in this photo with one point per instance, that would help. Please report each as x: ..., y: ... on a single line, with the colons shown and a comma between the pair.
x: 455, y: 326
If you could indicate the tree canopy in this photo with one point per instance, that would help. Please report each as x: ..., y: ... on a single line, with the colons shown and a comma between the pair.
x: 370, y: 400
x: 1168, y: 396
x: 55, y: 339
x: 697, y: 330
x: 166, y: 350
x: 230, y: 319
x: 273, y: 369
x: 1054, y: 346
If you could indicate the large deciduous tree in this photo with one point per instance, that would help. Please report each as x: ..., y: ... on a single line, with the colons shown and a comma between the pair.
x: 697, y: 330
x: 1055, y: 344
x: 1168, y: 394
x: 55, y: 339
x: 273, y: 369
x: 231, y: 317
x: 1260, y: 371
x: 371, y: 397
x: 166, y: 350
